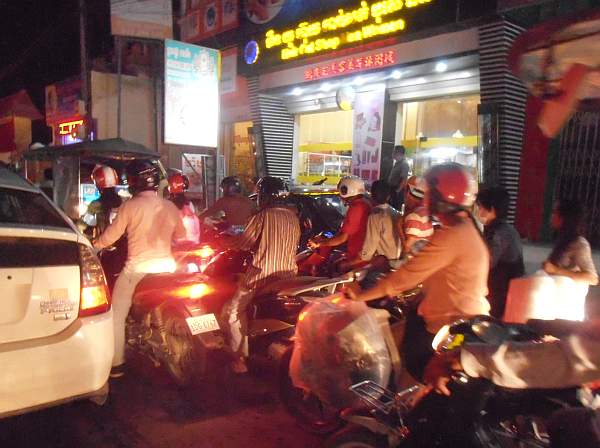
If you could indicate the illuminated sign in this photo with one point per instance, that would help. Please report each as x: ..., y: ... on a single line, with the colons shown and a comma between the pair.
x: 352, y: 65
x: 368, y: 21
x: 68, y: 127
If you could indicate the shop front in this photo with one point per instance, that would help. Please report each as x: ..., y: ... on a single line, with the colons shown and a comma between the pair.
x: 348, y: 113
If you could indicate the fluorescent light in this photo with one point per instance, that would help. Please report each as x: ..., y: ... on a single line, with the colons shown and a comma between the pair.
x: 458, y: 75
x: 297, y: 91
x: 414, y: 81
x: 396, y: 74
x: 441, y: 67
x: 326, y: 87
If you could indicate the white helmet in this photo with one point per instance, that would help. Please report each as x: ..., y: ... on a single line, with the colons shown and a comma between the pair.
x: 350, y: 186
x: 104, y: 177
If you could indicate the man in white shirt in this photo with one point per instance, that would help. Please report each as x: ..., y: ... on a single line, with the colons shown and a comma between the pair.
x: 150, y: 223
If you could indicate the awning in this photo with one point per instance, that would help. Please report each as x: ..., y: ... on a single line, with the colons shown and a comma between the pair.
x: 19, y: 105
x: 97, y: 150
x: 559, y: 62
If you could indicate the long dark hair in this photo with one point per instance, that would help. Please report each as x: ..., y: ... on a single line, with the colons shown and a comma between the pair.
x: 572, y: 214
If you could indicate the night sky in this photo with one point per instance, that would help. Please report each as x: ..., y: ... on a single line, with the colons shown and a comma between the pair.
x: 40, y: 42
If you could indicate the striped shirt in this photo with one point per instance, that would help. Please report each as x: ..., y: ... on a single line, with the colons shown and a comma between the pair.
x: 418, y: 224
x: 272, y: 235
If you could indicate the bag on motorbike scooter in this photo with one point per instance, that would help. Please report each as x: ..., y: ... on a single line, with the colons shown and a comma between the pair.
x: 547, y: 297
x: 338, y: 343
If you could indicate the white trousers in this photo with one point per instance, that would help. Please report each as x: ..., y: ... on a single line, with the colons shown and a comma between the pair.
x: 121, y: 303
x: 236, y: 315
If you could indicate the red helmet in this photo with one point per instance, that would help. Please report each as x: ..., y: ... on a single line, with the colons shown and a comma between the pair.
x: 104, y: 177
x: 178, y: 183
x: 452, y: 184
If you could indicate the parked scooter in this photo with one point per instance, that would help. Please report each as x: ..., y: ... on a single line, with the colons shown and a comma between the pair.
x: 477, y: 414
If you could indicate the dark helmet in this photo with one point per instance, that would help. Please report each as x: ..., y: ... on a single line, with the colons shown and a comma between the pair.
x: 178, y: 182
x: 142, y: 175
x: 231, y: 185
x: 450, y: 187
x: 270, y: 189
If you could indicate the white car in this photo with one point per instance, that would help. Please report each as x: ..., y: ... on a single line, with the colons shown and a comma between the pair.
x: 56, y: 327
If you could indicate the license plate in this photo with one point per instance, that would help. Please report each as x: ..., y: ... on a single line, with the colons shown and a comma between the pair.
x: 202, y: 324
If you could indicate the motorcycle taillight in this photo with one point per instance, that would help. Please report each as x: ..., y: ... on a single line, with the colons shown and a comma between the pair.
x: 94, y: 297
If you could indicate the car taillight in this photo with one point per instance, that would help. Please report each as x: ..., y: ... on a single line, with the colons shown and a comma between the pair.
x: 94, y: 292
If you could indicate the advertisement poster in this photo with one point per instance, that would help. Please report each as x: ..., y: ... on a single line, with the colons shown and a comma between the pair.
x: 191, y: 94
x: 368, y: 126
x: 152, y: 19
x: 206, y: 18
x: 193, y: 166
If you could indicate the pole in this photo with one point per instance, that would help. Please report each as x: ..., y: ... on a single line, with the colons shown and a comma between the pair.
x: 119, y: 43
x: 83, y: 54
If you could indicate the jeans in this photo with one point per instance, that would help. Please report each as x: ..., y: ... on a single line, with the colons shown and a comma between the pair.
x: 235, y: 315
x: 121, y: 302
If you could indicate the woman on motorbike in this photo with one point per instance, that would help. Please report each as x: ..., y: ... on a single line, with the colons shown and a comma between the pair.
x: 453, y: 267
x: 178, y: 185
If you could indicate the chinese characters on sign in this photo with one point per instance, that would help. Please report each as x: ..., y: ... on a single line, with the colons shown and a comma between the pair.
x: 352, y: 64
x: 369, y: 21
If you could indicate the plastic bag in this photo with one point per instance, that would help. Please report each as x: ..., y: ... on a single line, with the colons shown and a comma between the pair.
x: 338, y: 343
x: 543, y: 296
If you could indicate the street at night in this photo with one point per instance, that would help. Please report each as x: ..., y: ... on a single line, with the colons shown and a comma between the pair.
x: 146, y: 410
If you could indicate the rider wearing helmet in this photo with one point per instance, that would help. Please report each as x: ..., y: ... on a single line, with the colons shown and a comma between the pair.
x: 178, y: 185
x: 273, y: 235
x: 236, y: 207
x: 150, y: 223
x: 416, y: 225
x: 452, y: 267
x: 354, y: 228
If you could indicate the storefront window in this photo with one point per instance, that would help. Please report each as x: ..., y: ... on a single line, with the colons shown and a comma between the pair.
x: 325, y: 147
x: 439, y: 130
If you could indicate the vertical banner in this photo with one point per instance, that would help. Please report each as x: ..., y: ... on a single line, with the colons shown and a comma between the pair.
x: 368, y: 133
x: 191, y: 94
x: 152, y: 19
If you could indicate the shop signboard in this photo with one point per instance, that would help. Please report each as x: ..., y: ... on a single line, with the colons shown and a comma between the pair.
x: 368, y: 134
x: 206, y: 18
x: 151, y: 19
x: 229, y: 71
x: 192, y: 76
x: 63, y: 101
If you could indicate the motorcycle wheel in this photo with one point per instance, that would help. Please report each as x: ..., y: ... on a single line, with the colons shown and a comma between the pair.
x: 310, y: 413
x: 185, y: 359
x: 355, y: 437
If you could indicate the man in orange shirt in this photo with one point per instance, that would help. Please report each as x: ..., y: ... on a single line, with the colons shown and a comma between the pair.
x: 453, y: 267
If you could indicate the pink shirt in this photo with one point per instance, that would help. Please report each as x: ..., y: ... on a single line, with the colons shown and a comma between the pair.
x: 151, y: 223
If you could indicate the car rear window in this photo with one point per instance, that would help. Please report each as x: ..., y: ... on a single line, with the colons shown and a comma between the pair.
x: 29, y: 209
x: 20, y: 252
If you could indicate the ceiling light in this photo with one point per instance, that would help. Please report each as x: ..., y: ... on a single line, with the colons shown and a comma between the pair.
x: 326, y: 87
x: 396, y: 74
x: 297, y: 91
x: 359, y: 81
x: 441, y: 67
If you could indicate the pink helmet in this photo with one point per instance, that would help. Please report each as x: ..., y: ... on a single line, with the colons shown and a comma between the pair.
x: 104, y: 177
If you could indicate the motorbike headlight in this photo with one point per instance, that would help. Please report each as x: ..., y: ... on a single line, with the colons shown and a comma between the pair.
x: 205, y: 252
x: 444, y: 340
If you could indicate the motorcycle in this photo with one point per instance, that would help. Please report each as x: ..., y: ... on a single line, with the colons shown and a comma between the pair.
x: 477, y: 414
x: 175, y: 317
x: 310, y: 413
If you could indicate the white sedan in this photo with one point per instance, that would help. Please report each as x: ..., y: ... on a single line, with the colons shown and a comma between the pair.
x: 56, y: 328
